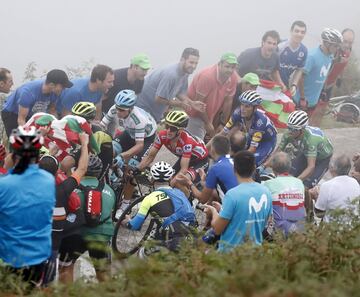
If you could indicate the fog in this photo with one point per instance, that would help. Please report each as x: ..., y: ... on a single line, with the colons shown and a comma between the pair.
x: 62, y: 33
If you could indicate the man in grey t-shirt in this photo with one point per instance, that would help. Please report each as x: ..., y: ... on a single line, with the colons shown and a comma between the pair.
x: 167, y: 86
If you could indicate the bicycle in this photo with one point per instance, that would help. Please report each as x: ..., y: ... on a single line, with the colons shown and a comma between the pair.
x: 127, y: 242
x: 345, y: 108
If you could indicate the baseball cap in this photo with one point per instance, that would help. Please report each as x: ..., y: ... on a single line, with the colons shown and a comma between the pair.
x: 251, y: 78
x: 57, y: 76
x: 229, y: 58
x: 141, y: 60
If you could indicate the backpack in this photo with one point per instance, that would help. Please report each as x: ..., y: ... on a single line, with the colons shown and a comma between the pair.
x: 93, y: 204
x: 183, y: 210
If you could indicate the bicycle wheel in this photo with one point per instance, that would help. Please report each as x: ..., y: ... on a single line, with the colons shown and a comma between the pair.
x: 126, y: 242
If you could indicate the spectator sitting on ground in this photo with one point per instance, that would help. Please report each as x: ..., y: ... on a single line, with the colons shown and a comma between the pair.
x: 246, y: 209
x: 338, y: 192
x: 288, y: 194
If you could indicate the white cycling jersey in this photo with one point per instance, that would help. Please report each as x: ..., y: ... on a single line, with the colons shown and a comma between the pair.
x: 139, y: 124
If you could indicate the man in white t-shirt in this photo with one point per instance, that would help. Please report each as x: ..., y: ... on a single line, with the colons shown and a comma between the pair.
x: 338, y: 192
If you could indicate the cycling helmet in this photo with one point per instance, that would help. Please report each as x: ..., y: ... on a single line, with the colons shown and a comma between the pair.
x: 125, y: 99
x: 87, y: 110
x: 95, y: 166
x: 2, y: 152
x: 177, y: 118
x: 161, y: 171
x: 298, y: 120
x: 250, y: 98
x: 26, y: 141
x: 331, y: 36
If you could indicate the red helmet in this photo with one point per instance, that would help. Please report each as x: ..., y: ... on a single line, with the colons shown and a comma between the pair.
x: 26, y: 140
x: 2, y: 152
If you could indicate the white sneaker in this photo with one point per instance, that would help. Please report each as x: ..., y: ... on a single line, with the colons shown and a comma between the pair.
x: 122, y: 208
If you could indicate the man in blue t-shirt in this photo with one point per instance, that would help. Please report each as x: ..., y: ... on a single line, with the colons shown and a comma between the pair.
x: 27, y: 199
x: 292, y: 54
x: 246, y: 209
x: 90, y: 89
x: 32, y: 97
x: 221, y: 176
x: 315, y: 72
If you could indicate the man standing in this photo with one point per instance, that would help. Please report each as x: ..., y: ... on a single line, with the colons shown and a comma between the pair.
x: 215, y: 86
x: 6, y: 80
x: 292, y: 54
x: 167, y: 87
x: 315, y: 72
x: 264, y: 61
x: 25, y: 210
x: 91, y: 89
x: 128, y: 78
x: 288, y: 196
x: 338, y: 192
x: 246, y: 208
x: 32, y: 97
x: 339, y: 63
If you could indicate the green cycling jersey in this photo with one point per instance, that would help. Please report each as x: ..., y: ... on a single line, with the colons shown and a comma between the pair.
x: 313, y: 143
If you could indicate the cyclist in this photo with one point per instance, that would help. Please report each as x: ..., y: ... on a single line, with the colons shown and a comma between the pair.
x: 160, y: 205
x: 314, y: 149
x: 191, y: 150
x: 139, y: 126
x: 87, y: 110
x: 259, y: 131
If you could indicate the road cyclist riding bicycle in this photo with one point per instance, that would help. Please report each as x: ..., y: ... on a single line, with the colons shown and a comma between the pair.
x: 191, y: 151
x: 169, y: 207
x: 136, y: 138
x: 260, y: 133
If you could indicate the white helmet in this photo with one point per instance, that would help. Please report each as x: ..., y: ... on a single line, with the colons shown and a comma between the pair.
x: 161, y: 171
x: 250, y: 97
x: 298, y: 120
x: 331, y: 36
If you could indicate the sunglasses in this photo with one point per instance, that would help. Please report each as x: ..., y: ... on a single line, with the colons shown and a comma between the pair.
x: 171, y: 128
x: 121, y: 109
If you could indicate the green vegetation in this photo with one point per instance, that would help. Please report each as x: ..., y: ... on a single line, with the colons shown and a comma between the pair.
x: 323, y: 261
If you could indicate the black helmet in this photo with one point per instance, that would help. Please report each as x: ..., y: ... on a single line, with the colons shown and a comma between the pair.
x: 95, y: 166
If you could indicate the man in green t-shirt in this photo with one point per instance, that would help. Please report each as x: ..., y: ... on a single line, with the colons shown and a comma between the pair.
x: 95, y: 240
x: 313, y: 149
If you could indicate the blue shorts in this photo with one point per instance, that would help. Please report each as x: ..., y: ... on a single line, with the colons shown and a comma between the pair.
x: 263, y: 151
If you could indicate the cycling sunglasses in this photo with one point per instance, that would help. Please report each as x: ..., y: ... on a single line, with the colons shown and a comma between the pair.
x: 121, y: 109
x: 171, y: 128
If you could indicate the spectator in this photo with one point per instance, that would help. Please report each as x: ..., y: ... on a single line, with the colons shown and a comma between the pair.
x: 24, y: 210
x: 91, y: 89
x: 264, y: 60
x: 288, y: 196
x: 215, y: 86
x: 338, y: 192
x: 67, y: 202
x: 355, y: 173
x: 246, y: 208
x: 32, y: 97
x: 167, y: 86
x: 128, y: 78
x: 6, y: 80
x: 249, y: 82
x: 2, y: 158
x: 93, y: 239
x: 221, y: 176
x: 292, y: 54
x: 315, y: 72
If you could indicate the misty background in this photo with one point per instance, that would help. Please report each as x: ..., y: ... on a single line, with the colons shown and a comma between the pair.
x: 62, y: 33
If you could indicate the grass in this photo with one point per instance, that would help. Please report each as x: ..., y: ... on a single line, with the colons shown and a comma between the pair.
x: 322, y: 261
